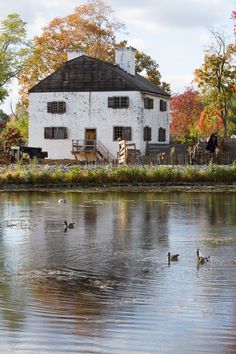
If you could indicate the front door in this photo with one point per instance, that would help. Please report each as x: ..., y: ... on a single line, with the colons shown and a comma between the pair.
x: 90, y: 139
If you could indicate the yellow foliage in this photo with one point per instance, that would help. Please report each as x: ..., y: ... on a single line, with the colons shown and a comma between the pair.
x: 92, y: 28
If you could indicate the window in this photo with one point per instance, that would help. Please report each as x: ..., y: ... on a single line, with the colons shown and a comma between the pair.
x: 55, y: 133
x: 122, y: 132
x: 56, y: 107
x: 148, y: 103
x: 147, y: 133
x: 118, y: 102
x: 163, y: 106
x: 161, y: 134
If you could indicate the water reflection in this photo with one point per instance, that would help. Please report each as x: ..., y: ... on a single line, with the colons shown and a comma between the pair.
x: 105, y: 286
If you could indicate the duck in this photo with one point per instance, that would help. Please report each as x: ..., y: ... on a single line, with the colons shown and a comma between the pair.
x: 70, y: 225
x: 201, y: 259
x: 62, y: 201
x: 173, y: 257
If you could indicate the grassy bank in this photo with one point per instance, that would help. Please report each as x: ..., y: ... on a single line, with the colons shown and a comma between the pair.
x: 35, y: 175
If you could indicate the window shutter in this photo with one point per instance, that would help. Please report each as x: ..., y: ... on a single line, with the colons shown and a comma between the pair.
x: 110, y: 102
x: 47, y: 133
x: 126, y: 133
x: 147, y: 133
x: 49, y: 107
x: 146, y: 102
x: 61, y: 107
x: 126, y: 104
x: 162, y: 134
x: 65, y: 133
x: 163, y: 106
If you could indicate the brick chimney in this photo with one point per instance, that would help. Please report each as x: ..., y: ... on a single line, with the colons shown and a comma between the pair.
x: 125, y: 58
x: 73, y: 53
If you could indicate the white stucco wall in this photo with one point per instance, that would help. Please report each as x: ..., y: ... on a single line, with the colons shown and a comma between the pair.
x: 86, y: 110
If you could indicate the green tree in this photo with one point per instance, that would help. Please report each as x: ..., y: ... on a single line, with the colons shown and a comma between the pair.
x: 13, y: 50
x: 216, y: 78
x: 3, y: 116
x: 22, y: 121
x: 16, y: 129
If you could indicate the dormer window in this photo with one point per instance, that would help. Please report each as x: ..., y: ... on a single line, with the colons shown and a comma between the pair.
x: 118, y: 102
x: 56, y: 107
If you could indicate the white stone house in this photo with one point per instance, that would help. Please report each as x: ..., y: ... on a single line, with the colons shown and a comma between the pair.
x: 89, y: 103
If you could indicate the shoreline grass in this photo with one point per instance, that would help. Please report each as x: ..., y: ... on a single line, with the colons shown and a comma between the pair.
x: 33, y: 174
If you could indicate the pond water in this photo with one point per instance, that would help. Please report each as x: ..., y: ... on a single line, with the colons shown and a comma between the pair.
x: 105, y: 286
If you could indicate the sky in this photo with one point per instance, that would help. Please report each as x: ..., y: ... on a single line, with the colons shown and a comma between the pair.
x: 174, y: 33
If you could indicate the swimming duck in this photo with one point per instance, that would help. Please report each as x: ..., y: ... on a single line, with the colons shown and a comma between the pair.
x: 201, y: 259
x: 70, y: 225
x: 173, y: 257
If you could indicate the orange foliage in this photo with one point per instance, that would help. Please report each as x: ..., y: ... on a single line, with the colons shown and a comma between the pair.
x: 211, y: 121
x: 91, y: 28
x: 185, y: 112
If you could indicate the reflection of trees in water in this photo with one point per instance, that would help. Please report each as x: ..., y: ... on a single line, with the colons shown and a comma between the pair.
x: 13, y: 304
x: 75, y: 303
x: 220, y: 208
x: 154, y: 224
x: 90, y: 218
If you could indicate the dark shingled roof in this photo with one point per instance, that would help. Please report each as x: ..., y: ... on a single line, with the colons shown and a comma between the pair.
x: 85, y: 74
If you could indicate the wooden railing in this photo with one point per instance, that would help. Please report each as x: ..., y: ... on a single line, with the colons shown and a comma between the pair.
x: 104, y: 152
x: 89, y: 145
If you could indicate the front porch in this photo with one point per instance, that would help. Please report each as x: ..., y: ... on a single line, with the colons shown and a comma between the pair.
x: 91, y: 150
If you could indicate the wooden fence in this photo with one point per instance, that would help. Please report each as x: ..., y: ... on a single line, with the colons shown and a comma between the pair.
x: 201, y: 158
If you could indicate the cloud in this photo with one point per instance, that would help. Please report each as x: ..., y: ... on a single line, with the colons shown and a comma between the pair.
x: 173, y: 32
x: 149, y: 14
x: 138, y: 43
x: 179, y: 83
x: 159, y: 14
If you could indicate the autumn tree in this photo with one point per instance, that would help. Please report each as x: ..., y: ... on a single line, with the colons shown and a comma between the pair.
x: 13, y: 50
x: 210, y: 121
x: 16, y: 127
x: 216, y: 79
x: 92, y: 28
x: 185, y: 110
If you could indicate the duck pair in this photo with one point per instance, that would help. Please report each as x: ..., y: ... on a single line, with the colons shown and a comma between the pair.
x: 200, y: 259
